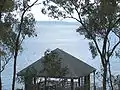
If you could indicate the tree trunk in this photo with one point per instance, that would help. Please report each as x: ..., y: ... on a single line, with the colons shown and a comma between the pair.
x: 104, y: 76
x: 0, y: 16
x: 0, y: 82
x: 14, y: 74
x: 119, y: 86
x: 111, y: 84
x: 0, y: 76
x: 14, y: 68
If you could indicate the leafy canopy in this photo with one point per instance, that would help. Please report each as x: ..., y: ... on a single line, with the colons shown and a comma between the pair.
x: 6, y: 5
x: 10, y: 14
x: 52, y: 64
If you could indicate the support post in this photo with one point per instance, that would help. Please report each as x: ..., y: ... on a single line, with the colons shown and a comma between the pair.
x: 79, y: 81
x: 87, y: 82
x: 72, y: 84
x: 45, y: 83
x: 94, y: 80
x: 34, y: 85
x: 28, y: 83
x: 82, y: 83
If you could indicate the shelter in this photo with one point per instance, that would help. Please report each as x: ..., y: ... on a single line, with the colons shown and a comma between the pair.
x: 77, y: 78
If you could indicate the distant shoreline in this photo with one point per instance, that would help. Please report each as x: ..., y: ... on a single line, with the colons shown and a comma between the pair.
x: 58, y: 22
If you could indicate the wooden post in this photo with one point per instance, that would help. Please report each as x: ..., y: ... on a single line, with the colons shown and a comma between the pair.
x: 79, y: 81
x: 45, y: 83
x: 87, y: 82
x: 82, y: 83
x: 34, y: 85
x: 28, y: 83
x: 94, y: 80
x: 72, y: 84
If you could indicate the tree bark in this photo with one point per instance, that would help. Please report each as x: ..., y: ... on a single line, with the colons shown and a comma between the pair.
x: 0, y: 76
x: 15, y: 59
x: 104, y: 76
x: 0, y: 82
x: 111, y: 84
x: 0, y: 16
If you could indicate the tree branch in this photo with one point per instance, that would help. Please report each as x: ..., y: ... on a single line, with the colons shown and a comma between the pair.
x: 114, y: 47
x: 6, y: 62
x: 116, y: 34
x: 105, y: 46
x: 115, y: 22
x: 108, y: 49
x: 80, y: 21
x: 73, y: 18
x: 94, y: 40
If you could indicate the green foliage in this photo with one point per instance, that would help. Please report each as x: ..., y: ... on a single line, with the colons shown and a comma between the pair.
x: 6, y: 5
x: 15, y: 25
x: 98, y: 20
x: 28, y: 26
x: 117, y: 53
x: 56, y: 10
x: 116, y: 81
x: 7, y: 35
x: 93, y: 49
x: 10, y: 26
x: 52, y: 64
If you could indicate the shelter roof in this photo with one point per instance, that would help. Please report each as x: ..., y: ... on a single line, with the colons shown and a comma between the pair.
x: 77, y: 68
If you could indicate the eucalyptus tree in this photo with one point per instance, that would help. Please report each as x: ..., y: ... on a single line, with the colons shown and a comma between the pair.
x: 24, y: 26
x: 99, y: 23
x: 7, y: 35
x: 16, y: 22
